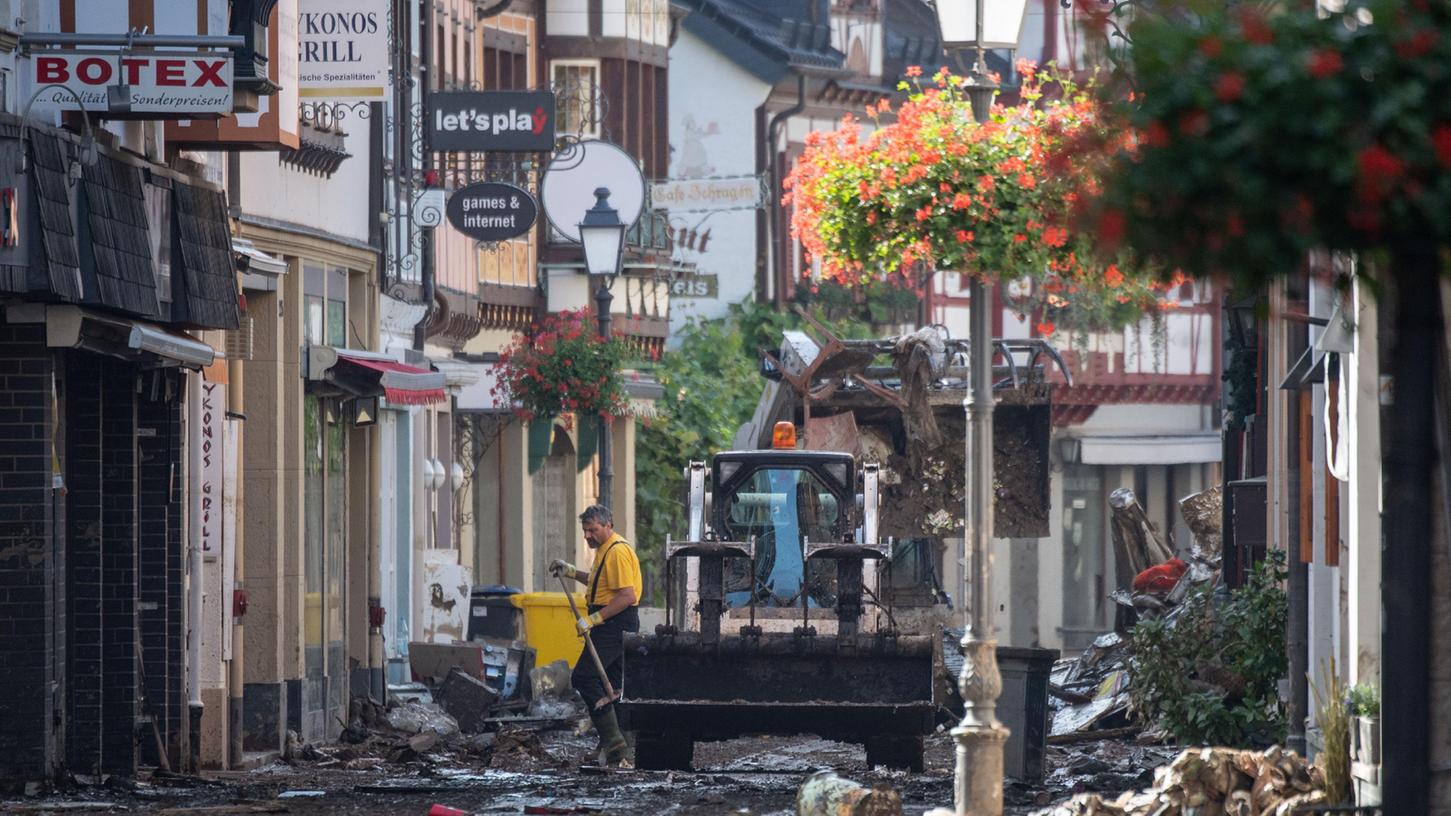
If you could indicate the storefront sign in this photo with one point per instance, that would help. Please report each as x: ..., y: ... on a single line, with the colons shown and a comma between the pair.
x: 491, y: 211
x: 181, y: 84
x: 208, y: 439
x: 480, y: 121
x: 707, y: 195
x: 696, y: 286
x: 343, y: 49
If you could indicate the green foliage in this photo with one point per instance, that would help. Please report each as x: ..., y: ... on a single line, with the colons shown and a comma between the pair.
x: 712, y: 384
x: 1261, y: 136
x: 1364, y: 700
x: 1211, y: 675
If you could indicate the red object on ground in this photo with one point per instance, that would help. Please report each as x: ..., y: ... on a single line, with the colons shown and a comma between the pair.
x: 1160, y: 578
x: 445, y: 810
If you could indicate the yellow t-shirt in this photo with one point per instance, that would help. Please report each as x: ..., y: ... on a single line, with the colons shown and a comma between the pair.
x: 621, y: 568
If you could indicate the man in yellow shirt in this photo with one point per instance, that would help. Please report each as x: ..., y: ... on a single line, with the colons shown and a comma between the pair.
x: 613, y: 589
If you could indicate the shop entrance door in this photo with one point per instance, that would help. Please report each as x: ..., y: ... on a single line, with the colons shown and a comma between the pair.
x: 325, y: 674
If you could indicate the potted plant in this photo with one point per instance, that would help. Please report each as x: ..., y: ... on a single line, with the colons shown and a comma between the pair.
x: 1363, y: 700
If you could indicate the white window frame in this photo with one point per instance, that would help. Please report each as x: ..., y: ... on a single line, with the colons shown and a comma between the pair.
x: 590, y: 130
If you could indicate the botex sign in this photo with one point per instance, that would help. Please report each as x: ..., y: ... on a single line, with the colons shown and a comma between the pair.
x: 490, y: 211
x: 176, y: 83
x: 480, y: 121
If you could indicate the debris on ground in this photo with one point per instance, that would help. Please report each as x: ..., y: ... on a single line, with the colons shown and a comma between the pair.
x: 1234, y: 782
x: 520, y: 749
x: 468, y: 699
x: 826, y: 794
x: 1090, y: 693
x: 415, y: 718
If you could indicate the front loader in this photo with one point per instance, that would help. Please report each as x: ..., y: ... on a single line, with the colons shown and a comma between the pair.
x: 773, y: 633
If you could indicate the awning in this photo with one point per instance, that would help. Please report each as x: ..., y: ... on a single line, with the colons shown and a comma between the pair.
x: 366, y: 373
x: 260, y: 270
x: 1160, y: 449
x: 134, y: 340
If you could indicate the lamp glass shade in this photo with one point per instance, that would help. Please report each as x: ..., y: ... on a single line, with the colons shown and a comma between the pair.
x: 602, y: 234
x: 604, y: 247
x: 1002, y: 23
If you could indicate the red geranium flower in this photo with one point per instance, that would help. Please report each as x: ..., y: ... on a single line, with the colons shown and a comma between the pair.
x: 1324, y: 63
x: 1229, y: 87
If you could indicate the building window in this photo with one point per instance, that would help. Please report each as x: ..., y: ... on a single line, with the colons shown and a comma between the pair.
x: 325, y: 317
x: 576, y: 85
x: 505, y: 70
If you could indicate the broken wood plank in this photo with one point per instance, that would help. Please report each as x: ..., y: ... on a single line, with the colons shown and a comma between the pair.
x: 1099, y: 734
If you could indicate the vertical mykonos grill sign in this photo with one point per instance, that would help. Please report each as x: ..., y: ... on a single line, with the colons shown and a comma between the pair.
x: 343, y: 49
x: 491, y: 211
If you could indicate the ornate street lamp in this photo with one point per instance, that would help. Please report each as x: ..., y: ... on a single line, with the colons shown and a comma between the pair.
x: 602, y: 234
x: 978, y: 781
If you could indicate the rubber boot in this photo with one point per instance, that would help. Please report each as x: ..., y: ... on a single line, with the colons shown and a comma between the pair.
x: 612, y: 741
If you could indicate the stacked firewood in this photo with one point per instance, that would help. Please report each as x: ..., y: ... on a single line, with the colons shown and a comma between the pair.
x: 1213, y: 782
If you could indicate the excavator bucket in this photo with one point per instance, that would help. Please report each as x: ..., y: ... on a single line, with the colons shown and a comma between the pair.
x: 869, y: 689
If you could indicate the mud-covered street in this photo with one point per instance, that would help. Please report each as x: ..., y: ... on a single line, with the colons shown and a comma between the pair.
x: 543, y: 772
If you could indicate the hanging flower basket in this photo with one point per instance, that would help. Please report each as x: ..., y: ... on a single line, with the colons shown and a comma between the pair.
x: 992, y: 198
x: 563, y: 368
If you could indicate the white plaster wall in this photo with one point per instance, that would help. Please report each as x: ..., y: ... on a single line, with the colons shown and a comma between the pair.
x: 271, y: 189
x: 570, y: 18
x: 1146, y: 418
x: 713, y: 106
x: 1364, y: 493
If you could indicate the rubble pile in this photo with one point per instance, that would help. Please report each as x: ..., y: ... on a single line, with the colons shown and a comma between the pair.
x: 1090, y: 694
x: 1226, y: 781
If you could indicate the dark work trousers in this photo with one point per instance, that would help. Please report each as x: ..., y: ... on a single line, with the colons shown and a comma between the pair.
x: 609, y: 641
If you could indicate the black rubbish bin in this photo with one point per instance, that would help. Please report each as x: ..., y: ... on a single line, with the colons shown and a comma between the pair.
x: 1022, y: 706
x: 493, y: 615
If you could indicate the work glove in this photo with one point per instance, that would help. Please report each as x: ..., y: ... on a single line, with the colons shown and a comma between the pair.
x: 561, y: 567
x: 588, y: 622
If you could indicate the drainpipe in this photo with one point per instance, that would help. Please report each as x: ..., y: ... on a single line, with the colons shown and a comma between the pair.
x: 772, y: 134
x: 1297, y: 641
x: 236, y: 678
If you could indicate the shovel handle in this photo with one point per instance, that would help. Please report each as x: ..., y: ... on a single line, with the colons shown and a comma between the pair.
x: 589, y: 645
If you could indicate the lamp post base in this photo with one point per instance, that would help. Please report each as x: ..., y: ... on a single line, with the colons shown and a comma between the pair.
x: 978, y: 779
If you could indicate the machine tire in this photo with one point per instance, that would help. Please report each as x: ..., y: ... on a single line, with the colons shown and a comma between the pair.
x: 663, y: 752
x: 904, y: 752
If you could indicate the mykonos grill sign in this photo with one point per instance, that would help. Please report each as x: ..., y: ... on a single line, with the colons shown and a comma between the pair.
x: 480, y: 121
x: 490, y: 211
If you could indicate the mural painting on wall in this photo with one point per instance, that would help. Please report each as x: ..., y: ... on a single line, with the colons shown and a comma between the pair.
x: 694, y: 162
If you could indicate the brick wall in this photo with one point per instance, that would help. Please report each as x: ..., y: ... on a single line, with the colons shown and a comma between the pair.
x: 161, y: 563
x: 32, y: 579
x: 118, y: 568
x: 84, y: 591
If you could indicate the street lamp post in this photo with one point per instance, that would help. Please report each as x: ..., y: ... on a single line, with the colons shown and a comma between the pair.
x: 978, y: 779
x: 602, y: 235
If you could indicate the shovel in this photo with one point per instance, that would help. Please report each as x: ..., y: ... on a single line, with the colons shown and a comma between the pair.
x: 610, y: 693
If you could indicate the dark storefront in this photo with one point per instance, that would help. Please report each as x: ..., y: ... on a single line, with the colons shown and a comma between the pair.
x: 101, y: 274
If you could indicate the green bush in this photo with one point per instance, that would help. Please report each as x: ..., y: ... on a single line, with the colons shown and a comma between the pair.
x: 1211, y: 675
